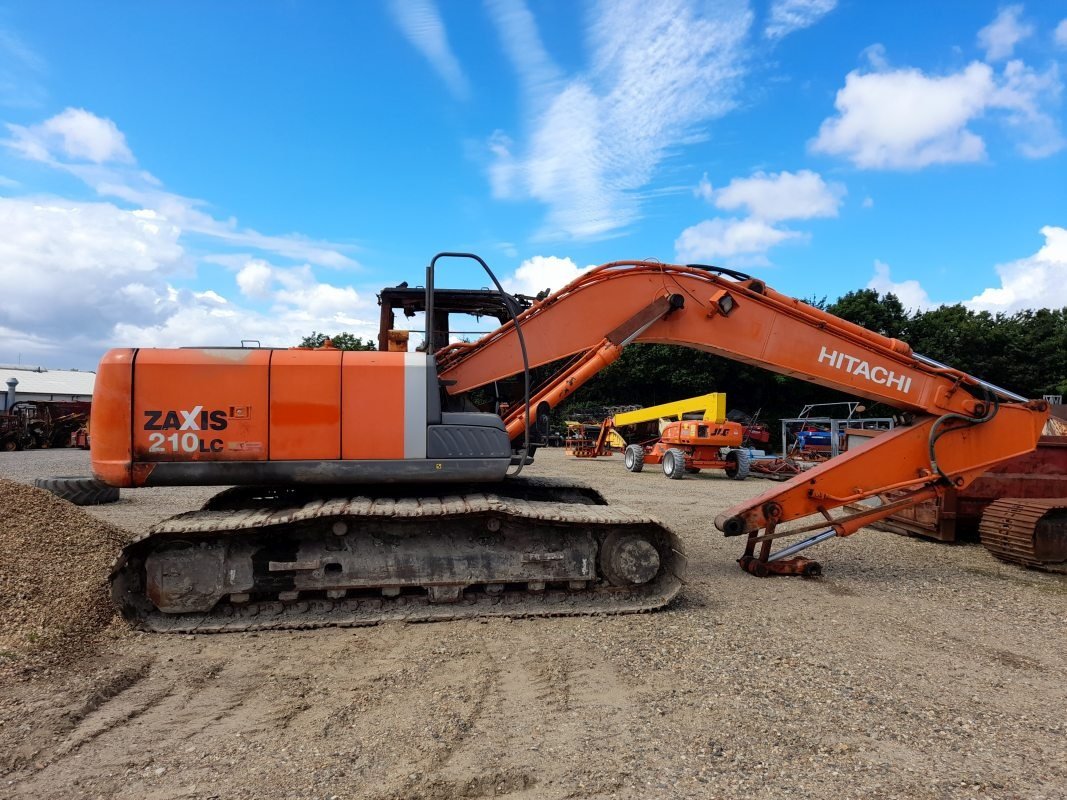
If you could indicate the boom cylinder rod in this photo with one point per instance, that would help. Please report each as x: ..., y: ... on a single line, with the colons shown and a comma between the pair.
x: 829, y: 533
x: 990, y: 386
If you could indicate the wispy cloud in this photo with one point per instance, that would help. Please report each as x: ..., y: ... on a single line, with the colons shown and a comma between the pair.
x: 787, y: 16
x: 1000, y: 36
x: 594, y: 140
x: 421, y: 23
x: 21, y: 70
x: 94, y: 150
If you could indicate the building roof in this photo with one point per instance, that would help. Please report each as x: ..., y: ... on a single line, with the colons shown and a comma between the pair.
x: 38, y: 380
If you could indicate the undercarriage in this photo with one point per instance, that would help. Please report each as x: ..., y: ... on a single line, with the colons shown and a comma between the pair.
x: 307, y: 557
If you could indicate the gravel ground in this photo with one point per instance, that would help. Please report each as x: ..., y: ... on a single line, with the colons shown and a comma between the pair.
x: 911, y: 670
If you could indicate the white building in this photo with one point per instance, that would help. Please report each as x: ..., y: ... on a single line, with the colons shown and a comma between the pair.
x: 37, y: 383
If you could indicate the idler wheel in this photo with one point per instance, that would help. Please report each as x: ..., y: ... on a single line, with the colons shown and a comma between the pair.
x: 628, y: 559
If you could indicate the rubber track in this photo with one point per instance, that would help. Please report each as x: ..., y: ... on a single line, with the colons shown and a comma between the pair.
x: 1007, y: 530
x: 363, y: 611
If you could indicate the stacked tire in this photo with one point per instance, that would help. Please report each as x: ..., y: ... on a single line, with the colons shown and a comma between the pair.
x: 80, y: 491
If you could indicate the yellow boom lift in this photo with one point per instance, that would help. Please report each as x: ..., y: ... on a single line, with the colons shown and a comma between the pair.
x: 712, y: 406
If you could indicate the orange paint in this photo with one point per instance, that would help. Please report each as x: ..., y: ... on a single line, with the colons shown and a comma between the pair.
x: 372, y: 399
x: 305, y: 404
x: 200, y: 405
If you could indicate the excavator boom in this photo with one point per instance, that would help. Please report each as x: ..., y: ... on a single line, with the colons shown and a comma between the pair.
x: 962, y: 425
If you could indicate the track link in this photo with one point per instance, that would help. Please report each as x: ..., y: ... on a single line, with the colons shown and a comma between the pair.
x: 294, y: 558
x: 1032, y: 533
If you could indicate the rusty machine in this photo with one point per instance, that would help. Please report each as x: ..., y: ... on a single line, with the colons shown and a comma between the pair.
x: 31, y: 424
x: 367, y: 486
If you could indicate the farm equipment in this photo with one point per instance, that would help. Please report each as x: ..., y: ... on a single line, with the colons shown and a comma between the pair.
x: 592, y: 434
x: 42, y: 424
x: 397, y: 503
x: 13, y: 433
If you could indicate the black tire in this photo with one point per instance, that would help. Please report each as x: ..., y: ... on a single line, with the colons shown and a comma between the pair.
x: 674, y: 464
x: 633, y: 457
x: 9, y: 445
x: 80, y: 491
x: 737, y: 465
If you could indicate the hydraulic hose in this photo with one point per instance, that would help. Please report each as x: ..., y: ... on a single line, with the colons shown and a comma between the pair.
x: 936, y: 432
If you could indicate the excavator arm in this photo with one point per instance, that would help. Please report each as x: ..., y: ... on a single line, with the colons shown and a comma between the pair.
x: 961, y: 425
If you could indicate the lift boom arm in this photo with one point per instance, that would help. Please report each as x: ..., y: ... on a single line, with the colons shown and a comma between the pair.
x: 962, y: 425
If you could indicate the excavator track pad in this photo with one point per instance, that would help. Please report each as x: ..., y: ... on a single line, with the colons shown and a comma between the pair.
x: 1032, y: 533
x: 308, y: 557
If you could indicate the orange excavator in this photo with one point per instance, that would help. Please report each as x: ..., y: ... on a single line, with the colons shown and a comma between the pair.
x: 367, y: 487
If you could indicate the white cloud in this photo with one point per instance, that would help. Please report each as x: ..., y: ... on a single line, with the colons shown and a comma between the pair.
x: 868, y: 202
x: 876, y: 57
x: 538, y: 273
x: 768, y: 198
x: 70, y: 271
x: 94, y: 150
x: 77, y: 134
x: 421, y: 24
x: 299, y: 304
x: 1038, y: 281
x: 910, y: 293
x: 726, y: 238
x: 1020, y: 95
x: 704, y: 190
x: 1000, y: 36
x: 82, y: 277
x: 254, y: 279
x: 905, y: 119
x: 596, y: 139
x: 787, y: 16
x: 782, y: 195
x: 1060, y: 34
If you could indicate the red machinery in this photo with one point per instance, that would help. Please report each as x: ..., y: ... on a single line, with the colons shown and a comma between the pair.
x: 693, y: 445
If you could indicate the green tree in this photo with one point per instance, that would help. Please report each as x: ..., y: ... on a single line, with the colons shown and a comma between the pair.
x: 342, y: 341
x: 882, y: 314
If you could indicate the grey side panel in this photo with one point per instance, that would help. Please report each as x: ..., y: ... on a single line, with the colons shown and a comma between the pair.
x: 261, y: 473
x: 466, y: 441
x: 472, y: 418
x: 415, y: 397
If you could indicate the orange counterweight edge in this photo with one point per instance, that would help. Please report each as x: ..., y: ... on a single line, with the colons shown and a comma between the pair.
x: 109, y: 444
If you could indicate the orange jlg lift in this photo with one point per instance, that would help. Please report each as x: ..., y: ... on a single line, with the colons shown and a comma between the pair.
x: 368, y: 487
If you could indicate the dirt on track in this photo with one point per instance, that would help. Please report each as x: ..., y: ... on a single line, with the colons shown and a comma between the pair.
x: 911, y: 670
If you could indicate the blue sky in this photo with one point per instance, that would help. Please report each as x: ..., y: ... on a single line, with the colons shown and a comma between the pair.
x: 202, y: 173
